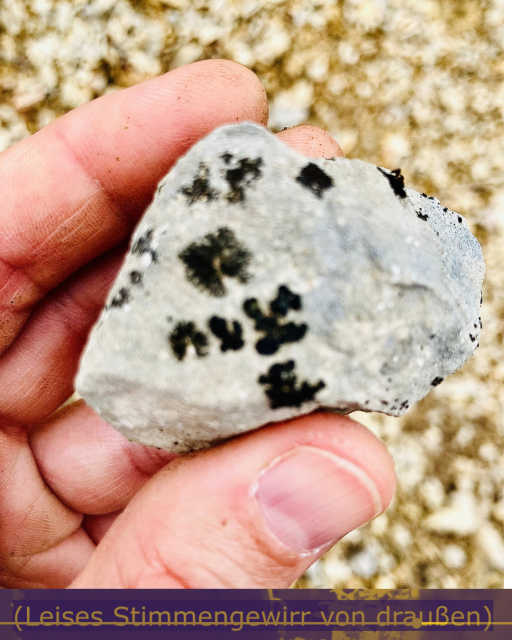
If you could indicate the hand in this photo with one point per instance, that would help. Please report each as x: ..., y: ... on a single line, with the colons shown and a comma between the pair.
x: 79, y: 505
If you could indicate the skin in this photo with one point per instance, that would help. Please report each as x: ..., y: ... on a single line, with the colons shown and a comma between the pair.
x: 79, y: 505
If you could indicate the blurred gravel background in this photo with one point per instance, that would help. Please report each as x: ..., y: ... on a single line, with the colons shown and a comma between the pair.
x: 415, y: 84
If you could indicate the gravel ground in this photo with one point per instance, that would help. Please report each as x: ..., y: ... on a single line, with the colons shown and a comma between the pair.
x: 409, y: 83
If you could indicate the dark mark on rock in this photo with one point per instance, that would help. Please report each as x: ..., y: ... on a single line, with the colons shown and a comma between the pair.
x: 218, y: 255
x: 396, y: 181
x: 143, y: 245
x: 136, y: 277
x: 276, y: 334
x: 241, y: 177
x: 436, y: 381
x: 200, y: 189
x: 121, y: 298
x: 314, y: 179
x: 186, y: 334
x: 283, y: 390
x: 231, y: 339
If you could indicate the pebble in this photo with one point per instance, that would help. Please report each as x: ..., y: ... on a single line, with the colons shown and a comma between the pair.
x: 209, y: 331
x: 461, y: 518
x: 364, y: 564
x: 454, y: 556
x: 491, y: 543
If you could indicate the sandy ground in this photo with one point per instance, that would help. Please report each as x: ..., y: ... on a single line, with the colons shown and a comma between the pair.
x: 409, y: 83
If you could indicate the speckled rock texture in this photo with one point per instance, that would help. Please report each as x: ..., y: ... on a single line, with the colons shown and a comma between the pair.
x: 416, y: 84
x: 261, y: 285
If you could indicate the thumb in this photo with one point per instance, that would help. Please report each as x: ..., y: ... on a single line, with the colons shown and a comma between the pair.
x: 253, y: 512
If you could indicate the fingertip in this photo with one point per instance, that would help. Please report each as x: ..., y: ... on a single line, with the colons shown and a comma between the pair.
x: 311, y: 141
x: 233, y: 74
x: 351, y: 440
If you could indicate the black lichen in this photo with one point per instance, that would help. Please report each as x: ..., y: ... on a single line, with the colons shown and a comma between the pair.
x: 313, y: 178
x: 459, y: 218
x: 200, y: 189
x: 241, y: 177
x: 218, y: 255
x: 121, y: 298
x: 276, y: 333
x: 284, y: 301
x: 396, y: 181
x: 283, y: 389
x: 136, y: 277
x: 421, y: 215
x: 143, y: 245
x: 231, y: 339
x: 186, y: 334
x: 436, y: 381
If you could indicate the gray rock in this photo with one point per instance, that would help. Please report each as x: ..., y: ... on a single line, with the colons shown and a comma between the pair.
x: 261, y: 285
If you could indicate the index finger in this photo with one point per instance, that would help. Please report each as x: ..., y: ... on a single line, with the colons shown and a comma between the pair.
x: 76, y: 188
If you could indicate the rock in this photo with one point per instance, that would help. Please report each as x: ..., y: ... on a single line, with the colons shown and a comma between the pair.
x: 261, y: 285
x: 364, y: 564
x: 462, y: 518
x: 454, y: 557
x: 491, y: 543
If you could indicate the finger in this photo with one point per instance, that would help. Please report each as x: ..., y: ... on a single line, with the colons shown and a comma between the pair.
x: 89, y: 465
x: 97, y: 526
x: 53, y: 339
x: 37, y: 371
x: 41, y: 542
x: 311, y: 141
x: 74, y: 189
x: 255, y: 512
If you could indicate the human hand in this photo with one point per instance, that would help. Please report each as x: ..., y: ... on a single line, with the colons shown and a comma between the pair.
x: 79, y: 505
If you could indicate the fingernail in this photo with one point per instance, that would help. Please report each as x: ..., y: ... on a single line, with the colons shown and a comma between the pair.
x: 310, y: 497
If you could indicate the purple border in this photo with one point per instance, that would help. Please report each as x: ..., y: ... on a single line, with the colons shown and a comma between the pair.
x: 317, y: 614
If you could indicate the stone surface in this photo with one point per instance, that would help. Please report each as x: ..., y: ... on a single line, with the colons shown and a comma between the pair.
x: 261, y: 285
